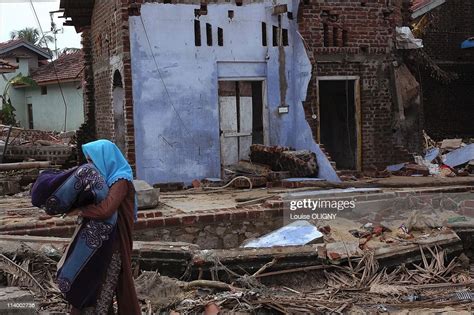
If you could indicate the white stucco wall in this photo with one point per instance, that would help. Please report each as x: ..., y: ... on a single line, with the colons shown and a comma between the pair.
x: 49, y: 109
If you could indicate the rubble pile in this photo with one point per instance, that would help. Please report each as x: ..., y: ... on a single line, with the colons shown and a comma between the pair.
x: 359, y: 284
x: 38, y: 145
x: 448, y: 158
x: 34, y: 271
x: 300, y: 163
x: 269, y: 165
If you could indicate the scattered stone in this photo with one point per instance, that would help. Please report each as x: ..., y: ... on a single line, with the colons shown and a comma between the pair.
x: 415, y: 169
x: 9, y: 186
x: 298, y: 163
x: 196, y: 183
x: 148, y: 197
x: 322, y: 252
x: 212, y: 182
x: 451, y: 144
x: 251, y: 168
x: 340, y: 250
x: 166, y: 187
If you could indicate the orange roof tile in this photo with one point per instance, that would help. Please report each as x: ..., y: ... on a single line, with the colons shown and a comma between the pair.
x: 68, y: 68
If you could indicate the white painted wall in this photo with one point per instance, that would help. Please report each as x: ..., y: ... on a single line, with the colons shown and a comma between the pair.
x: 49, y: 109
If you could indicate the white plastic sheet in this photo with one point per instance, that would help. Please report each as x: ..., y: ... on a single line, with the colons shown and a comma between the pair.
x: 406, y: 40
x: 296, y: 233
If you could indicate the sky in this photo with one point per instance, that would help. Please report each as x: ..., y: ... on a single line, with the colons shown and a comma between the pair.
x: 18, y: 14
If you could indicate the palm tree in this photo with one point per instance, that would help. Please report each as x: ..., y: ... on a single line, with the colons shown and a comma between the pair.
x: 32, y: 35
x: 7, y: 112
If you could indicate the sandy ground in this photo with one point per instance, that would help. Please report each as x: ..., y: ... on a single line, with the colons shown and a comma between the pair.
x: 190, y: 202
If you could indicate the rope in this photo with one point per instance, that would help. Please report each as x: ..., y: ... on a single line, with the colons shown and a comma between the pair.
x: 230, y: 183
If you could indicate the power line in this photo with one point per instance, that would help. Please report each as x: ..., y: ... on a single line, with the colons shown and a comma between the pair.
x: 162, y: 80
x: 54, y: 66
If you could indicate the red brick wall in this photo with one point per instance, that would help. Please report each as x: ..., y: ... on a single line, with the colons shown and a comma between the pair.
x: 110, y: 51
x: 369, y: 25
x: 356, y: 38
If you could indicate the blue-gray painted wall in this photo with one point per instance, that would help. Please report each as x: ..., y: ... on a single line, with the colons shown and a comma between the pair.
x: 175, y: 85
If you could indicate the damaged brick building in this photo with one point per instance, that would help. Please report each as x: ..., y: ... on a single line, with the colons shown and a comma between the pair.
x: 447, y: 77
x: 352, y: 46
x: 161, y: 75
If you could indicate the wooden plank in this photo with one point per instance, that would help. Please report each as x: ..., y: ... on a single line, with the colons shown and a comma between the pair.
x: 246, y: 124
x: 228, y: 125
x: 237, y: 134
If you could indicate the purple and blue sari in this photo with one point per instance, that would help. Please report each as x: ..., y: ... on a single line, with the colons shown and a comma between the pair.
x: 90, y: 252
x: 82, y: 268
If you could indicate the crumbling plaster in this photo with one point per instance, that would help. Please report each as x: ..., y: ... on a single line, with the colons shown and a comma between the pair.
x: 175, y: 85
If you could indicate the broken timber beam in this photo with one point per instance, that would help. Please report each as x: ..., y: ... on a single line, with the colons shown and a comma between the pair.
x: 24, y: 165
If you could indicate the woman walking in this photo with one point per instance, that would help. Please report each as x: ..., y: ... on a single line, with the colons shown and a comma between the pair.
x: 97, y: 263
x: 118, y: 279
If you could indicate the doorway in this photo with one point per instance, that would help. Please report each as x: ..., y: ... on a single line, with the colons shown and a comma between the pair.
x: 241, y: 119
x: 30, y: 116
x: 118, y: 100
x: 339, y: 120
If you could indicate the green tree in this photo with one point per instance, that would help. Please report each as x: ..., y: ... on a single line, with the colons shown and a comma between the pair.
x: 7, y: 113
x: 32, y: 35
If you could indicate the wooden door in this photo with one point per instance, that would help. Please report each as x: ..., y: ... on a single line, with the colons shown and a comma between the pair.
x: 236, y: 121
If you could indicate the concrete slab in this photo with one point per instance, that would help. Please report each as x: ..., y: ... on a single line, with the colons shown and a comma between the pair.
x: 148, y: 197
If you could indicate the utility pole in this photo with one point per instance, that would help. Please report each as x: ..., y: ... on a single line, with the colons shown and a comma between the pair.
x: 54, y: 31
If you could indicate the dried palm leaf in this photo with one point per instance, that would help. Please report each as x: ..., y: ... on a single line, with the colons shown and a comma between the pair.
x: 387, y: 289
x: 24, y: 277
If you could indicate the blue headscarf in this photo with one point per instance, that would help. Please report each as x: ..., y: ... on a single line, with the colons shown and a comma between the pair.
x: 110, y: 162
